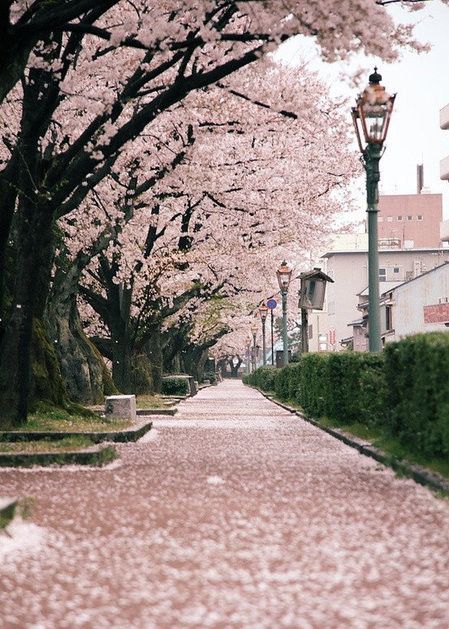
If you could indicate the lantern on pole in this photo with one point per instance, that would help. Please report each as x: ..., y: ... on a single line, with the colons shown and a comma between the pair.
x: 284, y: 276
x: 311, y: 297
x: 263, y: 312
x: 371, y: 116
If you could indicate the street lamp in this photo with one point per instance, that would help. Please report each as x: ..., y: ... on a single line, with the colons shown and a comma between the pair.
x: 254, y: 348
x: 311, y: 297
x: 284, y: 275
x: 371, y: 116
x: 263, y: 311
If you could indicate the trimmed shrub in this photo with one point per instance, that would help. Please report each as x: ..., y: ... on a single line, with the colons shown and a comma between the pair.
x: 352, y: 392
x: 314, y: 384
x: 175, y: 385
x: 404, y: 390
x: 265, y: 378
x: 417, y: 376
x: 211, y: 376
x: 281, y: 384
x: 372, y: 391
x: 346, y: 386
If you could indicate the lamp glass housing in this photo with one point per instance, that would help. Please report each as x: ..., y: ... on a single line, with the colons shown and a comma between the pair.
x: 263, y: 311
x: 284, y: 275
x: 371, y: 114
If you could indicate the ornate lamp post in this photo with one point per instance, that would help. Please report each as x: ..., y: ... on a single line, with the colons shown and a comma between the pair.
x: 284, y: 275
x: 371, y: 116
x: 263, y: 311
x: 254, y: 347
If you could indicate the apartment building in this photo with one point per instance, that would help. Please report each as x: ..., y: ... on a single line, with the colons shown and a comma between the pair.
x: 417, y: 306
x: 444, y: 170
x: 349, y: 270
x: 410, y: 221
x: 444, y: 124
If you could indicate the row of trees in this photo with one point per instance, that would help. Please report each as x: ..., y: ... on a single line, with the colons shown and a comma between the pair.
x: 154, y: 162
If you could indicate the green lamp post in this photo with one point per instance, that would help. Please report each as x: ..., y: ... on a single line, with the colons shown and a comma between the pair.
x: 371, y: 116
x: 263, y: 311
x: 254, y: 328
x: 284, y: 275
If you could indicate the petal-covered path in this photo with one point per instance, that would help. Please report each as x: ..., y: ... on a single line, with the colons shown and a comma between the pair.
x: 234, y: 513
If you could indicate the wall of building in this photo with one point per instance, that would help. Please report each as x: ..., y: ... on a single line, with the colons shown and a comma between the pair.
x: 349, y: 270
x: 444, y: 124
x: 318, y: 331
x: 420, y: 305
x: 410, y: 220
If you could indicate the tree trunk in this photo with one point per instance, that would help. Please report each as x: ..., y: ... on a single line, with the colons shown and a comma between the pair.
x: 221, y: 366
x: 153, y: 349
x: 33, y: 264
x: 141, y: 375
x: 234, y: 364
x: 86, y: 377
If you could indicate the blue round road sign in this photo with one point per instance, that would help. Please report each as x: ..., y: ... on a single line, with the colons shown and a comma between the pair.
x: 271, y: 304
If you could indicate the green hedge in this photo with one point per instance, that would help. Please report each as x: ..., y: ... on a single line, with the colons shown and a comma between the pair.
x: 404, y: 390
x: 287, y: 382
x: 173, y: 385
x: 417, y: 374
x: 356, y: 387
x: 313, y: 384
x: 211, y: 376
x: 264, y: 378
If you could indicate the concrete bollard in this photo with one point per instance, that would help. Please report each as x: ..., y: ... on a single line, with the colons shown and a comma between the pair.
x: 120, y: 407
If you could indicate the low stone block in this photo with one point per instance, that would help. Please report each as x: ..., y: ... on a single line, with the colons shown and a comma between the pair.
x: 120, y: 407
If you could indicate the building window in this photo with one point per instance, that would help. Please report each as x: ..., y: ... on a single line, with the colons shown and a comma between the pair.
x: 399, y: 218
x: 419, y: 217
x: 389, y: 318
x: 395, y: 269
x: 382, y: 275
x: 389, y: 219
x: 409, y: 218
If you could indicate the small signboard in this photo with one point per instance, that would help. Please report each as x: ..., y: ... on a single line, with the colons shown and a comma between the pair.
x: 271, y: 304
x: 437, y: 313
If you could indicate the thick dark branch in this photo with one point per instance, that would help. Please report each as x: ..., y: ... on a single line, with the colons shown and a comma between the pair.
x: 282, y: 112
x: 97, y: 302
x: 103, y: 345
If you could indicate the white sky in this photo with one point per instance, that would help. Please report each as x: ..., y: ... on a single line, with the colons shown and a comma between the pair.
x: 422, y: 86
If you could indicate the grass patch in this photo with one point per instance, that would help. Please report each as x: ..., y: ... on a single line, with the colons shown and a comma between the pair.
x: 149, y: 402
x: 390, y: 445
x: 68, y: 444
x: 383, y: 440
x: 47, y: 418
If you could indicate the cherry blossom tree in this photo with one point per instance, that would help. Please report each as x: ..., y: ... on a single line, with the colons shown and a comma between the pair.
x: 237, y: 178
x: 93, y: 77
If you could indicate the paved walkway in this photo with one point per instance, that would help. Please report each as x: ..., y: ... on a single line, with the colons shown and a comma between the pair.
x: 236, y: 514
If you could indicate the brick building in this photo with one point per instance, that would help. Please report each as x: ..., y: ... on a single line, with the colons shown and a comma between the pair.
x: 410, y: 221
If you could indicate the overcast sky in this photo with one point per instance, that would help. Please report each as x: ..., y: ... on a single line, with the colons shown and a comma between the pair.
x: 422, y: 86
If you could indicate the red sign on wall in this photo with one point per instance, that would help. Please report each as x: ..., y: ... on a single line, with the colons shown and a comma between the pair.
x: 438, y: 313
